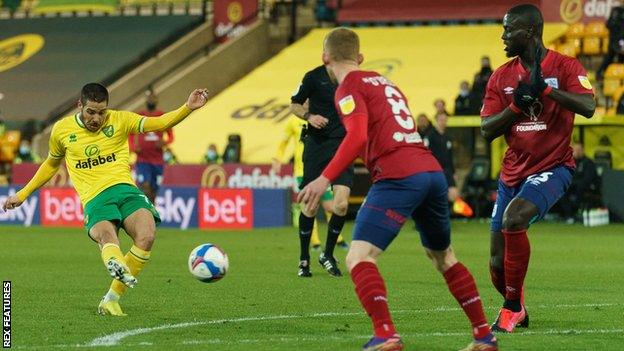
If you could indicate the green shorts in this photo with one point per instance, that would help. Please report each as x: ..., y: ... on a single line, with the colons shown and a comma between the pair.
x: 327, y: 195
x: 115, y: 204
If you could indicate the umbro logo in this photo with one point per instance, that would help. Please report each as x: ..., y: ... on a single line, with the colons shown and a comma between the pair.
x: 508, y: 90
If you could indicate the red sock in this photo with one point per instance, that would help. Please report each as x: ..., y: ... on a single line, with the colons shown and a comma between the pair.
x: 498, y: 279
x: 371, y: 290
x: 517, y: 253
x: 463, y: 287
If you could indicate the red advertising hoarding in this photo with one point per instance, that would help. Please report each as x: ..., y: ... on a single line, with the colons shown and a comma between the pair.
x: 225, y: 208
x: 231, y: 17
x: 60, y: 207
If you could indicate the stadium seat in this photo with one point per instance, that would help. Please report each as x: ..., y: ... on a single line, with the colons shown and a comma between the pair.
x: 605, y: 45
x: 567, y: 48
x: 574, y: 35
x: 591, y: 46
x: 596, y: 30
x: 613, y: 79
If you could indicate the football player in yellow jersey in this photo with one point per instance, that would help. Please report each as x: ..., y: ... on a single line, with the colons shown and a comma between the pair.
x: 94, y: 145
x: 292, y: 131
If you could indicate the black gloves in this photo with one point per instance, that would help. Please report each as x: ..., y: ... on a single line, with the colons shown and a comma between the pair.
x: 524, y: 96
x: 537, y: 80
x: 527, y: 94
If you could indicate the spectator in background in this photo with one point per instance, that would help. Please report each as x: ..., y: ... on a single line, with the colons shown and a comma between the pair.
x: 440, y: 107
x: 615, y: 24
x: 149, y: 148
x: 25, y: 154
x: 480, y: 82
x: 7, y: 150
x: 169, y: 157
x: 212, y: 155
x: 583, y: 188
x: 441, y: 147
x: 423, y: 124
x: 463, y: 103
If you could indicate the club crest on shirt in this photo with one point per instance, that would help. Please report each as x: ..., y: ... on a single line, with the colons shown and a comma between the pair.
x: 108, y: 130
x: 584, y: 82
x: 552, y: 82
x: 347, y: 104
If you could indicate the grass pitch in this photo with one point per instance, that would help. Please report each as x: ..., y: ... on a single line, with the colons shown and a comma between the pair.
x: 574, y: 293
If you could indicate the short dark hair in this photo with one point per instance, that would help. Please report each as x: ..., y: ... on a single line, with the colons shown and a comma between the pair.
x: 93, y: 92
x: 530, y: 15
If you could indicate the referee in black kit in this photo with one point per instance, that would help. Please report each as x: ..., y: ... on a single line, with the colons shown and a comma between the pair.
x: 321, y: 140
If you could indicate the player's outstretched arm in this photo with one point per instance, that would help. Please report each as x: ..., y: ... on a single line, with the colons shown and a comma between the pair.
x: 197, y: 99
x: 46, y: 171
x: 583, y: 104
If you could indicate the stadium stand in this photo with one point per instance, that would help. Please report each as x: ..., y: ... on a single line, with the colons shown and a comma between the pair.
x: 407, y: 11
x: 72, y: 51
x: 256, y: 105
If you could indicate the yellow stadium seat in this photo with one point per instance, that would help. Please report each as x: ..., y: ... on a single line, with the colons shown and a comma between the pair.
x: 605, y: 45
x: 567, y: 48
x: 596, y: 30
x: 591, y: 46
x: 575, y: 31
x: 615, y: 70
x: 611, y: 85
x: 617, y: 94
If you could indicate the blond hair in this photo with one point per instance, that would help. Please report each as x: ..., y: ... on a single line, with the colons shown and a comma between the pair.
x: 342, y: 44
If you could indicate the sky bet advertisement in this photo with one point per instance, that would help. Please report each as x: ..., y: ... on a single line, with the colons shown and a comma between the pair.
x: 179, y: 207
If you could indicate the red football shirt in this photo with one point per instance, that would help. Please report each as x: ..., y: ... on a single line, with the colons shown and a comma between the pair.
x: 538, y: 140
x: 393, y: 149
x: 149, y: 145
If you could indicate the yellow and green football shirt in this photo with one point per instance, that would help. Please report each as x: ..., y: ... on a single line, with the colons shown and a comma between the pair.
x: 294, y: 127
x: 96, y: 160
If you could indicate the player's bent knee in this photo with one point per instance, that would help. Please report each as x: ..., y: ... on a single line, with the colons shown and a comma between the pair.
x: 341, y: 207
x: 514, y: 221
x: 442, y: 260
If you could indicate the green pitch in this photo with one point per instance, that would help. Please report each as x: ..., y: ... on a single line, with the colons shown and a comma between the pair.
x: 575, y: 288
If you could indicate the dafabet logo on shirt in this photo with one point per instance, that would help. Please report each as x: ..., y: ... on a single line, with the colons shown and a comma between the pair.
x: 18, y: 49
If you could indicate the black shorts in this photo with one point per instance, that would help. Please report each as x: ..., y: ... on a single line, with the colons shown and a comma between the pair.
x: 316, y: 156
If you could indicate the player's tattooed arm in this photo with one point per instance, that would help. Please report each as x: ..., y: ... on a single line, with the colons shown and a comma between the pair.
x: 583, y: 104
x: 496, y: 125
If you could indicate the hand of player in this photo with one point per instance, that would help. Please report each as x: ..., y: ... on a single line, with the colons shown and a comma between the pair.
x: 537, y: 80
x: 197, y: 99
x: 11, y: 202
x: 276, y: 166
x: 524, y: 96
x: 318, y: 121
x: 311, y: 194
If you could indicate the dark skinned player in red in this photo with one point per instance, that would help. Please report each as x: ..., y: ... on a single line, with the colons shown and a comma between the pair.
x: 531, y: 100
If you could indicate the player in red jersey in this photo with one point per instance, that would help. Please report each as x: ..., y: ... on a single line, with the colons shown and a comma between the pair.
x: 149, y: 150
x: 531, y: 100
x: 407, y: 182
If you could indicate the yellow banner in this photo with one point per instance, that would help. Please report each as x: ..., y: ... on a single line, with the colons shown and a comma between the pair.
x: 426, y: 62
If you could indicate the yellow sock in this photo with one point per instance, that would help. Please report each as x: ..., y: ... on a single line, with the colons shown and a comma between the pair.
x: 135, y: 259
x: 315, y: 240
x: 111, y: 250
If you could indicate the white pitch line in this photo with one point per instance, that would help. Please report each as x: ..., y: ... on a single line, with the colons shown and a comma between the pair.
x: 115, y: 338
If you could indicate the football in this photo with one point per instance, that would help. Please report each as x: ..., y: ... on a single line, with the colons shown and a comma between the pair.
x: 208, y: 263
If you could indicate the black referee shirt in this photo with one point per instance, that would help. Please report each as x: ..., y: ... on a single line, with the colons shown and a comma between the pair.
x: 319, y: 89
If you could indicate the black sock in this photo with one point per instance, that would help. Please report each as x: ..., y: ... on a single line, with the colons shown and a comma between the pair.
x: 306, y: 224
x: 513, y: 305
x: 334, y: 227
